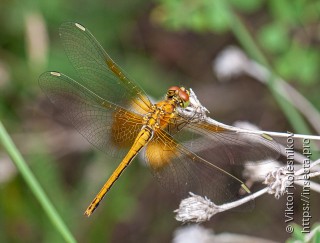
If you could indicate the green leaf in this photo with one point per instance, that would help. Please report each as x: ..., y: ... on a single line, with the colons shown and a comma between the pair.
x: 274, y: 38
x: 198, y: 21
x: 299, y: 64
x: 218, y: 15
x: 247, y: 5
x: 309, y: 67
x: 297, y: 234
x: 286, y: 11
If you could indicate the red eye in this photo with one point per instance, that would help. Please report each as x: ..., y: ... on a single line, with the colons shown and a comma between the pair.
x: 183, y: 95
x: 174, y: 88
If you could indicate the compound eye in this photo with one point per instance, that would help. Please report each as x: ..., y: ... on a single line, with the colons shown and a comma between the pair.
x: 184, y: 95
x: 185, y: 90
x: 174, y: 89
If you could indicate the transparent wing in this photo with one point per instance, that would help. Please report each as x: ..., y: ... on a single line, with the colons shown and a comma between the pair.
x: 99, y: 72
x: 233, y: 147
x: 182, y: 171
x: 206, y: 161
x: 107, y: 126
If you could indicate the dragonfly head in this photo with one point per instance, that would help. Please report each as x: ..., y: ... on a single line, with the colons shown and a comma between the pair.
x: 180, y: 95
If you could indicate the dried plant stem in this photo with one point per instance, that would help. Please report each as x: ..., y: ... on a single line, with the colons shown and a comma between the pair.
x: 273, y: 134
x: 198, y: 209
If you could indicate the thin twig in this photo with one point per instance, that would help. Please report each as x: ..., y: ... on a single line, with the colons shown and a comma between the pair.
x: 198, y: 209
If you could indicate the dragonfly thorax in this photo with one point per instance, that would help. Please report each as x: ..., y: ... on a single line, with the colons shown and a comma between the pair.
x: 161, y: 114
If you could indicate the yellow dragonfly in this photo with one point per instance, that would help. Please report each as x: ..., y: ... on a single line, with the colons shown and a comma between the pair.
x: 184, y: 153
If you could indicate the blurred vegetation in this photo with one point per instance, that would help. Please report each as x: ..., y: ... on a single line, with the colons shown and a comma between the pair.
x: 288, y: 30
x: 298, y: 236
x: 160, y: 43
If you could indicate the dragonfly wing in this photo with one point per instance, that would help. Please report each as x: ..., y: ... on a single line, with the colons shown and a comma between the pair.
x: 216, y: 143
x: 182, y: 171
x: 99, y: 72
x: 108, y: 127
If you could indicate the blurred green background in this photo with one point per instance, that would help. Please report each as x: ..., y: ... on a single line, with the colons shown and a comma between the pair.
x: 160, y: 44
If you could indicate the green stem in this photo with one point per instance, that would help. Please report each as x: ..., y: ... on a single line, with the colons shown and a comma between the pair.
x: 248, y: 43
x: 34, y: 185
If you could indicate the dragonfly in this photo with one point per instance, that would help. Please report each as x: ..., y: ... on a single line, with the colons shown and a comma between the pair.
x: 184, y: 153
